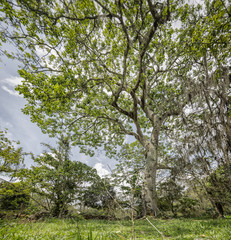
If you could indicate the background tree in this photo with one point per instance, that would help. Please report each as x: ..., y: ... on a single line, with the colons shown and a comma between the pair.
x: 10, y: 156
x: 13, y: 196
x: 169, y: 192
x: 218, y: 187
x: 57, y: 179
x: 200, y: 135
x: 127, y: 177
x: 101, y: 195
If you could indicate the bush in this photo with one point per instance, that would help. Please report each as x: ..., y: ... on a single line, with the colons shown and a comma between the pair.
x: 13, y: 196
x: 187, y: 206
x: 93, y: 213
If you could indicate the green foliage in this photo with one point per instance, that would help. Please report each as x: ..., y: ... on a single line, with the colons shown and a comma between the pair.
x: 127, y: 176
x: 169, y: 194
x: 173, y: 197
x: 100, y: 195
x: 187, y: 206
x: 58, y: 180
x: 98, y: 213
x: 10, y: 156
x: 219, y: 185
x: 13, y: 196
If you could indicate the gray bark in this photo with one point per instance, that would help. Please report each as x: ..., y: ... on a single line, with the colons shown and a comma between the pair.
x: 149, y: 191
x: 150, y: 171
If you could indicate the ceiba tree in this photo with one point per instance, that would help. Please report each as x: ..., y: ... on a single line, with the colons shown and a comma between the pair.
x: 101, y: 70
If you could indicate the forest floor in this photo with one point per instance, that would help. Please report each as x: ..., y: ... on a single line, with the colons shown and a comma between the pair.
x: 56, y: 229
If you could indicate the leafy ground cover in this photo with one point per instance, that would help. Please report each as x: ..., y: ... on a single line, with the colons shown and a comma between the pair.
x: 56, y: 229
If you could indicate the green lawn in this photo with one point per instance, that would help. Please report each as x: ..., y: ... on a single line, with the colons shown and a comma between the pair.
x: 105, y: 230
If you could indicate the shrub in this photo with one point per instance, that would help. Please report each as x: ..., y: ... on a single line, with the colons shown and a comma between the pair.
x: 13, y: 196
x: 187, y: 206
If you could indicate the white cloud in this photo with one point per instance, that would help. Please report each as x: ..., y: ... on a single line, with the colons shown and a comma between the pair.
x: 8, y: 85
x: 100, y: 170
x: 13, y: 81
x: 40, y: 51
x: 11, y: 92
x: 5, y: 124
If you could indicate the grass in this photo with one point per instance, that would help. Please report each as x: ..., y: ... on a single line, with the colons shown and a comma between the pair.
x: 55, y: 229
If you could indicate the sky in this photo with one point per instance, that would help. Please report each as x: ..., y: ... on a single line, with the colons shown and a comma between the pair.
x: 20, y: 128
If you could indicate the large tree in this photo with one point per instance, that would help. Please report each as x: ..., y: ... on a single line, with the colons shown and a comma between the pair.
x: 102, y: 70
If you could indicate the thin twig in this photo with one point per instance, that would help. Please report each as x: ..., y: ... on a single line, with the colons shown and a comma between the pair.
x: 162, y: 235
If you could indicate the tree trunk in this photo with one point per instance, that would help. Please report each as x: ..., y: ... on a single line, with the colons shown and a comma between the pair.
x: 149, y: 191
